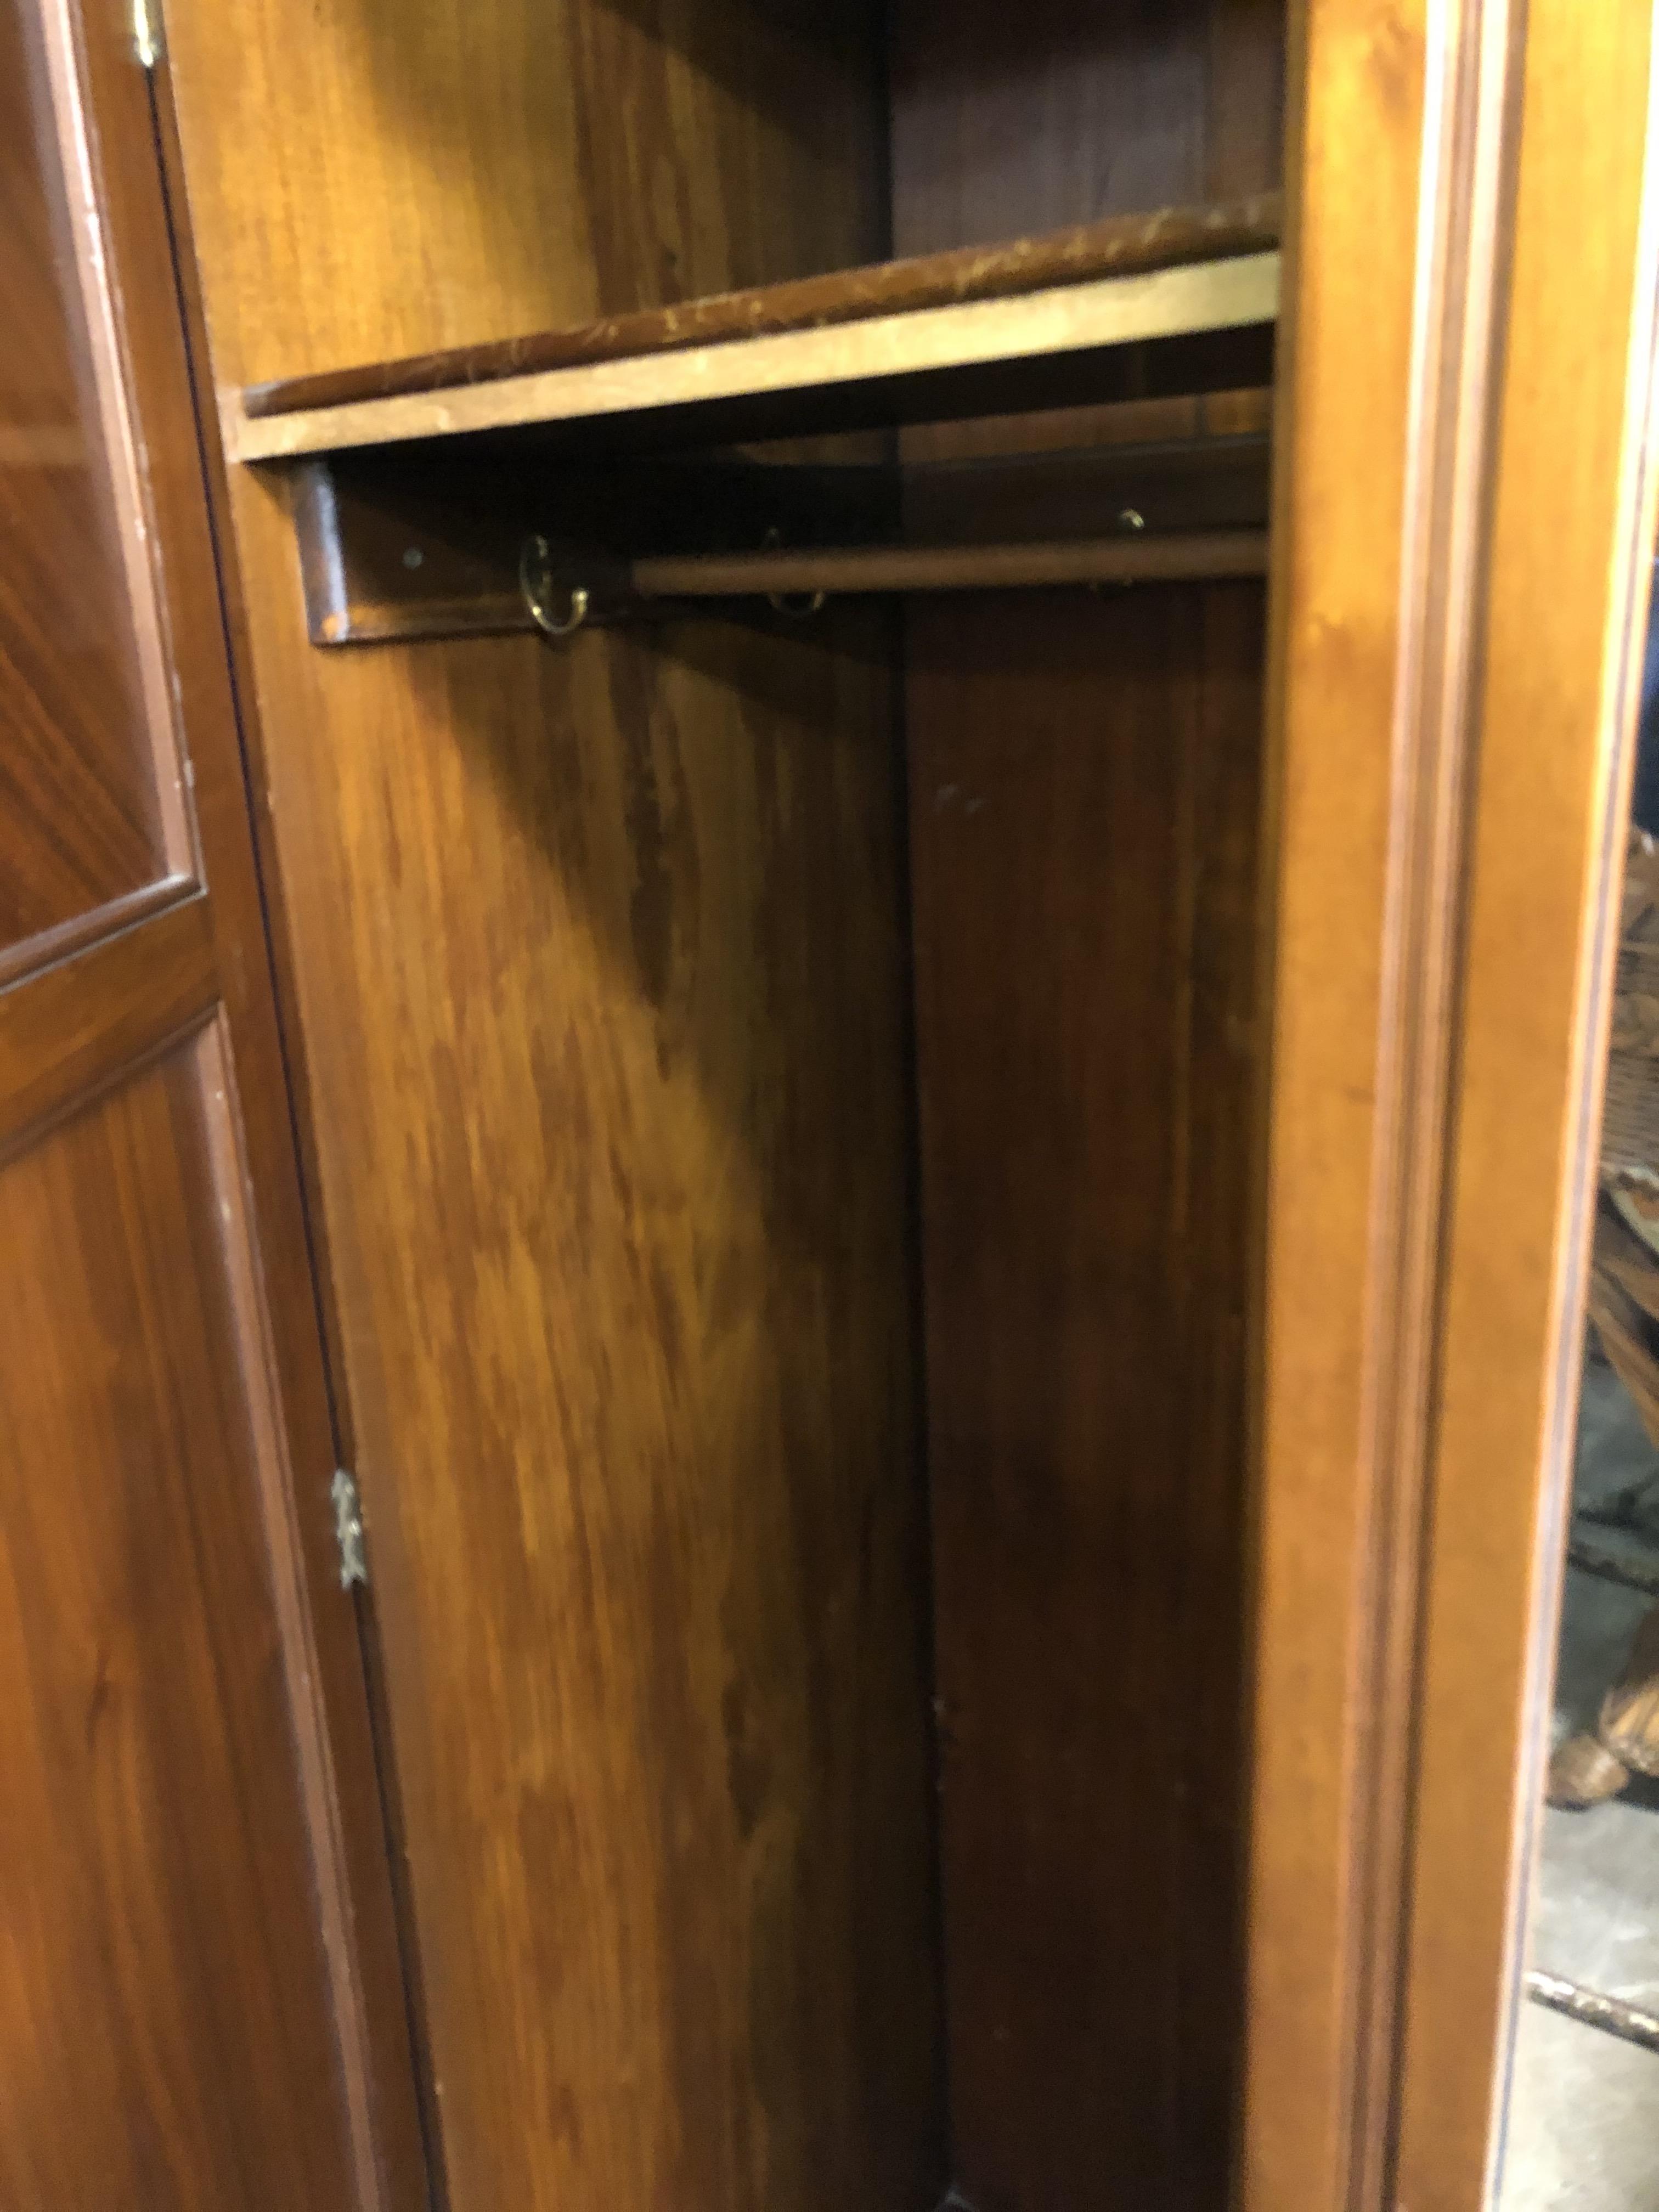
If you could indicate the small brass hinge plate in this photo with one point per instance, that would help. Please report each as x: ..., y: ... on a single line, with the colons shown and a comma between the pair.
x: 348, y: 1529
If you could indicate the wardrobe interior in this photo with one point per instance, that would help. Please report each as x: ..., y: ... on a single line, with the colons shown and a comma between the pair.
x: 779, y: 1089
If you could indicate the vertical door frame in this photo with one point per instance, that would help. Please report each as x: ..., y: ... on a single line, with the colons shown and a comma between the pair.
x: 1565, y: 620
x: 1450, y: 629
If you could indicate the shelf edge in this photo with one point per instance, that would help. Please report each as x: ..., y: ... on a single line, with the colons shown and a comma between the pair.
x: 1187, y: 299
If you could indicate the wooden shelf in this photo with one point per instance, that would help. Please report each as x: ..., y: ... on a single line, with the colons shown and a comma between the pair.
x: 1179, y: 274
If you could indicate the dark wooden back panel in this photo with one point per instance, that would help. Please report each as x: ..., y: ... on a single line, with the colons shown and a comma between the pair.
x: 1007, y: 121
x: 600, y: 958
x: 1084, y: 774
x: 1084, y: 780
x: 200, y: 2000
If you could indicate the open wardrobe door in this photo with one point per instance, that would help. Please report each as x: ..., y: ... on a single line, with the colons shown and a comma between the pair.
x: 201, y: 2002
x: 1453, y: 699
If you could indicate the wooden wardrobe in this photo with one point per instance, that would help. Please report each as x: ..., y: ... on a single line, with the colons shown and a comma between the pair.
x: 904, y: 673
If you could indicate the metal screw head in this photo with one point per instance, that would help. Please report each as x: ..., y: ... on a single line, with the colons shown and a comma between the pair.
x: 1130, y: 518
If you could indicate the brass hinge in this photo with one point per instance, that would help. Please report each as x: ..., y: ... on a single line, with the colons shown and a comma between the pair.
x: 146, y: 33
x: 348, y: 1529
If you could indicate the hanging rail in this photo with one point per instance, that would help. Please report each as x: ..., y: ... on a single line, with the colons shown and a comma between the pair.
x: 566, y: 590
x: 394, y: 547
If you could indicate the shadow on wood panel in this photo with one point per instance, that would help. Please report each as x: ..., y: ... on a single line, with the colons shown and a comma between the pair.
x: 1083, y: 802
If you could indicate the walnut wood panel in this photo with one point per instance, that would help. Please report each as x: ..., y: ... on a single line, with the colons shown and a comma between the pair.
x: 68, y: 1027
x: 1118, y: 246
x: 1089, y: 1426
x: 1566, y: 615
x: 1335, y: 593
x: 1007, y: 122
x: 629, y: 1338
x: 490, y: 171
x: 1083, y: 802
x: 344, y: 1763
x: 79, y: 808
x: 163, y: 2012
x: 1402, y: 150
x: 599, y: 960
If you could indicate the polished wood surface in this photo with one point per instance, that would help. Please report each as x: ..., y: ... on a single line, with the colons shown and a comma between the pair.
x: 520, y: 166
x: 1120, y: 246
x: 683, y: 1472
x: 163, y: 2020
x: 600, y: 964
x: 1084, y: 796
x: 193, y: 1890
x: 1042, y: 564
x: 1566, y: 615
x: 1440, y: 969
x: 1083, y: 804
x: 66, y: 1029
x: 1346, y: 851
x: 77, y: 773
x: 345, y: 1762
x: 1024, y: 338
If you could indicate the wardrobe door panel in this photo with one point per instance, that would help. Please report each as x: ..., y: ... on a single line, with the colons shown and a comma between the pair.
x: 165, y: 2033
x: 89, y: 787
x: 201, y: 2002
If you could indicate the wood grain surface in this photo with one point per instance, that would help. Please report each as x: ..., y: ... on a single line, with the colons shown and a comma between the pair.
x: 1083, y: 802
x: 1007, y: 123
x: 1566, y: 611
x: 163, y: 2035
x: 481, y: 171
x: 1083, y: 950
x: 343, y: 1759
x: 76, y: 771
x: 194, y: 2005
x: 1119, y: 245
x: 600, y: 964
x: 70, y: 1027
x: 628, y: 1336
x: 1205, y: 322
x: 1386, y: 415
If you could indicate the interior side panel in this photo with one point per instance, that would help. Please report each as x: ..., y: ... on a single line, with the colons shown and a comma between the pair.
x: 599, y: 959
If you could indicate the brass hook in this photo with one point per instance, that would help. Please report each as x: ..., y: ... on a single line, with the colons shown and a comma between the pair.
x: 537, y: 583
